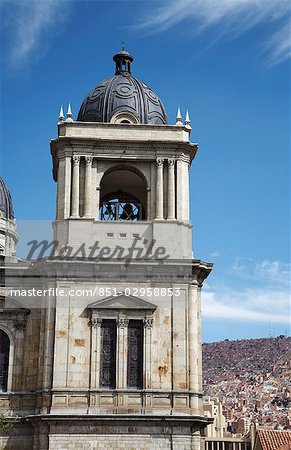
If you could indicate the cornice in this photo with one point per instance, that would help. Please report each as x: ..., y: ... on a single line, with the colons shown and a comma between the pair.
x: 121, y: 150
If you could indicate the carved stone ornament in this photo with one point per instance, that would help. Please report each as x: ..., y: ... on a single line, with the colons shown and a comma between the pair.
x: 148, y: 322
x: 171, y: 162
x: 88, y: 160
x: 76, y: 159
x: 160, y: 162
x: 96, y: 322
x: 19, y: 324
x: 121, y: 322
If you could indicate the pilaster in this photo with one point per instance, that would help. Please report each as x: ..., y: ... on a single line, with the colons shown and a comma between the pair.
x: 121, y: 362
x: 171, y: 188
x: 96, y: 323
x: 160, y: 189
x: 75, y: 187
x: 148, y: 325
x: 88, y: 187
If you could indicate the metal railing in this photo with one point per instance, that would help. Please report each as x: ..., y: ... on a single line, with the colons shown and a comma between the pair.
x: 227, y: 443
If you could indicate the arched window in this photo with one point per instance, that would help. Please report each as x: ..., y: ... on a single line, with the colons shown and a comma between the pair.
x: 123, y: 195
x: 124, y: 117
x: 4, y: 360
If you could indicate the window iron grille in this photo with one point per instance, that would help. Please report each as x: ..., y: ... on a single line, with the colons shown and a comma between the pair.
x: 135, y: 354
x: 4, y: 360
x: 121, y: 211
x: 108, y: 354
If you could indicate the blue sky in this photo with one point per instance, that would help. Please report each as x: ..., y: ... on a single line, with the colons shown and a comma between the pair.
x: 228, y: 62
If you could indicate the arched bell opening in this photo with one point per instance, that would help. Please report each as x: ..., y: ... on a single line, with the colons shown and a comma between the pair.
x: 123, y: 196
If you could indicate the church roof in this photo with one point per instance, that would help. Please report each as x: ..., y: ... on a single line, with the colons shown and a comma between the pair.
x: 6, y: 208
x: 274, y: 439
x: 122, y: 93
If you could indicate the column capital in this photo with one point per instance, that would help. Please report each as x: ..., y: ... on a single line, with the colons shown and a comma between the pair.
x: 148, y: 322
x: 76, y: 159
x: 171, y: 162
x: 88, y: 160
x: 122, y: 322
x: 160, y: 162
x: 96, y: 322
x: 19, y: 324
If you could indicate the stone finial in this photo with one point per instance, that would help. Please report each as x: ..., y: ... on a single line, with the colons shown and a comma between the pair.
x: 69, y: 114
x: 187, y: 120
x: 61, y: 115
x: 179, y: 117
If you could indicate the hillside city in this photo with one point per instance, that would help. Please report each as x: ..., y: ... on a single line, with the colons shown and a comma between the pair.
x: 251, y: 379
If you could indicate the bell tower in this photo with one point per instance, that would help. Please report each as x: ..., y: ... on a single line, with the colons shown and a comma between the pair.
x: 126, y: 365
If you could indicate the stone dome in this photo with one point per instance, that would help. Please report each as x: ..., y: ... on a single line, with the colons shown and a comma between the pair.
x: 6, y: 209
x: 122, y: 98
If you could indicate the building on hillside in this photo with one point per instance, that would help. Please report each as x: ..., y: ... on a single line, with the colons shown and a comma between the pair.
x: 108, y: 355
x: 213, y: 409
x: 241, y: 426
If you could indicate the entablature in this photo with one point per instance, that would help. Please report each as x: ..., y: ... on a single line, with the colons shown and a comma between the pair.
x: 131, y: 132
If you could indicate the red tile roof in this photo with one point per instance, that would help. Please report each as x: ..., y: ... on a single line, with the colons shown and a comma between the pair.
x: 274, y: 439
x: 285, y: 447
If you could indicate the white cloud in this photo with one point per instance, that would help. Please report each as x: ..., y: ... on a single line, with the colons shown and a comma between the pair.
x: 250, y: 305
x: 231, y: 16
x: 215, y: 254
x: 268, y: 272
x: 263, y: 297
x: 32, y: 25
x: 279, y: 45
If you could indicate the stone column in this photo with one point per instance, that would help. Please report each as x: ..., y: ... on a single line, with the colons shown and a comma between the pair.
x: 171, y: 189
x: 193, y: 346
x: 160, y: 189
x: 60, y: 181
x: 199, y: 342
x: 64, y: 188
x: 148, y: 325
x: 96, y: 192
x: 88, y: 187
x: 67, y: 187
x: 49, y: 339
x: 97, y: 216
x: 121, y: 353
x: 96, y: 323
x: 19, y: 326
x: 75, y: 186
x: 43, y: 437
x: 149, y: 213
x: 183, y: 190
x: 197, y: 442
